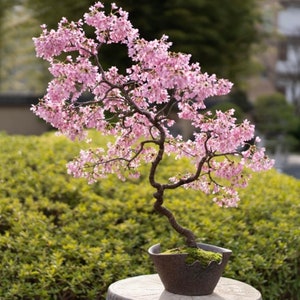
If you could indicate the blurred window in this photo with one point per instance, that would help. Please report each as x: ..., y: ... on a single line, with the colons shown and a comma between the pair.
x: 282, y: 51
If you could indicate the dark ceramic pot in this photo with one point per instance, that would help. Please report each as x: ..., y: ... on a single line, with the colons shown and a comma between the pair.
x: 189, y: 280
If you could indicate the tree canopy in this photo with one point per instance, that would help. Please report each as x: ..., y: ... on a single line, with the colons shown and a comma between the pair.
x: 219, y: 34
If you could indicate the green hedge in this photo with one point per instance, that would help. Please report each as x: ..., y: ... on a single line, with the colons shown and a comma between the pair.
x: 61, y: 238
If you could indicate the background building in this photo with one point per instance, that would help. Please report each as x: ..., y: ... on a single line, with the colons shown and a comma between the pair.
x: 288, y: 62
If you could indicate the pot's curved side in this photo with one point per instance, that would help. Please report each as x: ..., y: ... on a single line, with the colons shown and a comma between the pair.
x: 190, y: 280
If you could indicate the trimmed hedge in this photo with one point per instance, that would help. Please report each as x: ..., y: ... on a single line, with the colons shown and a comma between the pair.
x: 61, y: 238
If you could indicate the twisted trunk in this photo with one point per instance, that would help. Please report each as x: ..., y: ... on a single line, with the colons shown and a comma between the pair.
x: 158, y: 206
x: 160, y: 190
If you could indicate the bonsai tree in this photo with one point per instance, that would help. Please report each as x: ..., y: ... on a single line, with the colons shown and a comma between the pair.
x: 135, y: 107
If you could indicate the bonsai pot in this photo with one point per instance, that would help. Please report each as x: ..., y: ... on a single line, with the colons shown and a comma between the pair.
x: 178, y: 277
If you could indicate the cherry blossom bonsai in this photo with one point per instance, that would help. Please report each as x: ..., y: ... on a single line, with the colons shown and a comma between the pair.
x: 137, y: 107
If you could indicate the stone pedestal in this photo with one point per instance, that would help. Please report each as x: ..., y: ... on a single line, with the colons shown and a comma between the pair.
x: 149, y: 287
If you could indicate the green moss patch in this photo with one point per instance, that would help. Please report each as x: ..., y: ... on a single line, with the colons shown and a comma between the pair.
x: 196, y: 254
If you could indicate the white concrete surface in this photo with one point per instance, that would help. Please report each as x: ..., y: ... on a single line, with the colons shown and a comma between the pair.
x: 149, y: 287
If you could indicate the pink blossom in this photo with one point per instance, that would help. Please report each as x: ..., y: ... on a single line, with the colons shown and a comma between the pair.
x: 137, y: 108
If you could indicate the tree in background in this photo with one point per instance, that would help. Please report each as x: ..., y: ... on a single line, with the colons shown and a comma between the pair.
x: 19, y: 71
x: 5, y: 6
x: 237, y: 100
x: 275, y: 118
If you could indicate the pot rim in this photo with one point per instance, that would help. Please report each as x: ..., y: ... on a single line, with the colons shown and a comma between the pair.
x: 155, y: 249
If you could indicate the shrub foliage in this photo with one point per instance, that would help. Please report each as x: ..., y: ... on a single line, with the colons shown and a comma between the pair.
x: 61, y: 238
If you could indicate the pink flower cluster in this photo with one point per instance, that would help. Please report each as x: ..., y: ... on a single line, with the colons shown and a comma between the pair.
x: 136, y: 107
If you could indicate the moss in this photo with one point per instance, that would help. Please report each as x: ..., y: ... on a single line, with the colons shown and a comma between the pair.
x: 196, y: 254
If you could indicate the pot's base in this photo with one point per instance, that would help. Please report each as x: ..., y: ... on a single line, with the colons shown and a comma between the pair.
x: 190, y: 280
x: 150, y: 287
